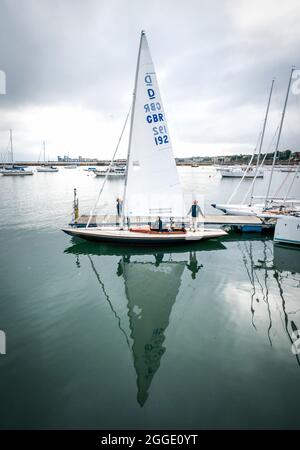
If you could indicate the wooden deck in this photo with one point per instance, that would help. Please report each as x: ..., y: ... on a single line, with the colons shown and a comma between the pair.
x: 216, y: 219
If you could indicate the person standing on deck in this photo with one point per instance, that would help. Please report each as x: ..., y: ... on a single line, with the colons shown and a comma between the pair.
x: 158, y: 225
x: 119, y: 206
x: 195, y: 211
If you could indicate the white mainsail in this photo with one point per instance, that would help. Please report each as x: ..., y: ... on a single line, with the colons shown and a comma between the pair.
x: 152, y: 186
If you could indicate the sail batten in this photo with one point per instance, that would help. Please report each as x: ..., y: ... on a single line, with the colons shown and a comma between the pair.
x: 152, y: 184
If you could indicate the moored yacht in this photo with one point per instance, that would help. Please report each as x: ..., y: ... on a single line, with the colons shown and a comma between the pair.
x: 238, y: 172
x: 12, y: 169
x: 46, y: 167
x: 16, y: 171
x: 70, y: 166
x: 115, y: 171
x: 269, y: 205
x: 152, y: 188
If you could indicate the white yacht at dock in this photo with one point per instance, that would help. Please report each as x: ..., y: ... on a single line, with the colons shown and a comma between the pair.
x: 240, y: 172
x: 152, y: 188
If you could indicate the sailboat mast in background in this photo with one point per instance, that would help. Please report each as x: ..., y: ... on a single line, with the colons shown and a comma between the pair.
x: 262, y: 140
x: 11, y: 147
x: 279, y: 136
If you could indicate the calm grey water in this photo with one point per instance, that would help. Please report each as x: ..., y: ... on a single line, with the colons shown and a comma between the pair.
x: 106, y: 337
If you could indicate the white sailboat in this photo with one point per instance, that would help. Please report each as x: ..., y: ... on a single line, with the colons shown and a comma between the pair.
x: 239, y: 172
x: 90, y: 169
x: 149, y: 305
x: 115, y: 171
x: 45, y: 167
x: 152, y: 187
x: 70, y: 166
x: 12, y: 169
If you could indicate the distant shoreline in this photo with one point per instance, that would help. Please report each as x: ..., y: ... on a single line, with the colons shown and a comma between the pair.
x: 106, y: 163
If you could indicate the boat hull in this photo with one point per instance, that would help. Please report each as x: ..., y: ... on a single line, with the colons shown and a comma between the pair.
x: 127, y: 237
x: 47, y: 170
x: 240, y: 174
x: 287, y: 230
x: 110, y: 175
x: 17, y: 173
x: 239, y: 210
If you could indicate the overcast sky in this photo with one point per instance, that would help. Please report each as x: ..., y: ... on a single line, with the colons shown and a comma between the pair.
x: 70, y: 68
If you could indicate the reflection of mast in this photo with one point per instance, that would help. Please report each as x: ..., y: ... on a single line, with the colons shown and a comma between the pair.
x: 149, y: 309
x: 286, y: 318
x: 267, y: 293
x: 250, y: 276
x: 252, y: 279
x: 278, y: 277
x: 108, y: 300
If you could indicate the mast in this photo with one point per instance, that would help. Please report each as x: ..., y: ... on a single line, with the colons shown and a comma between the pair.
x: 11, y: 146
x: 279, y: 135
x: 44, y: 151
x: 291, y: 184
x: 262, y: 140
x: 131, y: 124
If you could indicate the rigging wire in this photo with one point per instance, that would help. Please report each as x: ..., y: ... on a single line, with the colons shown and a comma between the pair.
x: 260, y: 167
x: 108, y: 169
x: 245, y: 172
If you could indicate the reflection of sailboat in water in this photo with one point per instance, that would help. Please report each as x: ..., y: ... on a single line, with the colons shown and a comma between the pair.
x: 152, y: 281
x: 277, y: 268
x: 151, y: 290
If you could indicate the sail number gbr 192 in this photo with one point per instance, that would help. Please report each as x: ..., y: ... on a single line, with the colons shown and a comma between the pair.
x: 154, y: 114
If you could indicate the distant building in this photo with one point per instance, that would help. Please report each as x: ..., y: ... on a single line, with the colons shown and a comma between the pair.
x: 66, y: 158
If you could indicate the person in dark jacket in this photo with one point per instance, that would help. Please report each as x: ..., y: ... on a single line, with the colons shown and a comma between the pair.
x: 158, y: 225
x: 119, y: 206
x: 195, y: 211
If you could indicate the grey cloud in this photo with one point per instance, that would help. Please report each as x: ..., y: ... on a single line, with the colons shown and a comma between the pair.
x: 84, y: 52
